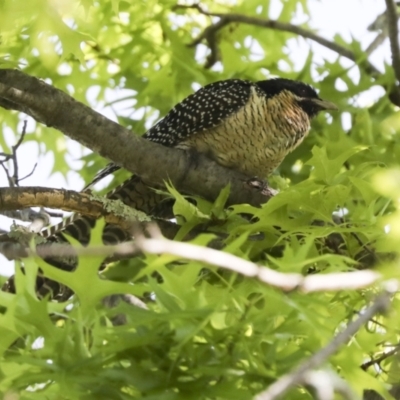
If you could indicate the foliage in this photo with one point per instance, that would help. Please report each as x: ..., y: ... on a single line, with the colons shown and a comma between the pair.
x: 208, y: 333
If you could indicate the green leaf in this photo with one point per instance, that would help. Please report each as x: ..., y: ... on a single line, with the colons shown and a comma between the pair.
x: 326, y: 169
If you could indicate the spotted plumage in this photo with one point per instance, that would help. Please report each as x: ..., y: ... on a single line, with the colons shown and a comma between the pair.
x: 203, y: 110
x: 244, y: 125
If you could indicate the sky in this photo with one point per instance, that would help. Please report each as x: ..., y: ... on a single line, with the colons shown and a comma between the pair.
x: 349, y: 18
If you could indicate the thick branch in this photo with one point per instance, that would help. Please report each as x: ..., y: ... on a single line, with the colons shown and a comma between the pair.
x: 113, y: 211
x: 22, y: 197
x: 392, y: 18
x: 153, y: 162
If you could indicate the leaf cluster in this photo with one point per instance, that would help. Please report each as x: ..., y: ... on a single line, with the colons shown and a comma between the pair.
x: 207, y: 333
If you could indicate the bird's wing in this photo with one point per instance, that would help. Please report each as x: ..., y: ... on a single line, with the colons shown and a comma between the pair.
x: 205, y: 109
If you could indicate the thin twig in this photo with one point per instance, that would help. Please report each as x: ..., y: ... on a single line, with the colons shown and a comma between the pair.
x: 229, y: 18
x: 381, y: 26
x: 6, y: 171
x: 381, y: 358
x: 15, y: 178
x: 376, y: 43
x: 391, y: 17
x: 29, y: 174
x: 6, y: 156
x: 282, y: 385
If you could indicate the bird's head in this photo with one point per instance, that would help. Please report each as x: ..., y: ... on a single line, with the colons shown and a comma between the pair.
x: 304, y: 95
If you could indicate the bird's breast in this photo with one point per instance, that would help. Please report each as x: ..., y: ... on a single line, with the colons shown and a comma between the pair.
x: 255, y: 139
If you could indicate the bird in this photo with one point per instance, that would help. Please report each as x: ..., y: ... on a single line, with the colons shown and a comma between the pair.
x: 244, y: 125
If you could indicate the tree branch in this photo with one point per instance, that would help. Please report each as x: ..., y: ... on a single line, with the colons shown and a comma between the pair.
x: 378, y: 360
x: 283, y: 281
x: 82, y: 203
x: 14, y: 179
x: 228, y: 18
x: 286, y: 382
x: 160, y: 245
x: 153, y: 162
x: 392, y: 18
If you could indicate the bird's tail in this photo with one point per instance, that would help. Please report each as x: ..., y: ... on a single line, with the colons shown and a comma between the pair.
x: 133, y: 193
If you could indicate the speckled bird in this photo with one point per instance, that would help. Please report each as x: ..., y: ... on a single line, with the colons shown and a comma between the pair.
x: 243, y: 125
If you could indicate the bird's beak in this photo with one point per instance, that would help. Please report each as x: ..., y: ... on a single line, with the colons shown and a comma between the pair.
x: 325, y: 105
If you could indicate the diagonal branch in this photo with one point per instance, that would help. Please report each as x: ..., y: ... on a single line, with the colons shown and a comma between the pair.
x: 283, y: 384
x: 226, y: 19
x: 382, y: 357
x: 153, y: 162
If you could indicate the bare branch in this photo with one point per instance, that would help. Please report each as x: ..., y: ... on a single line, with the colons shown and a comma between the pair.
x: 283, y: 384
x: 376, y: 43
x: 226, y: 19
x: 14, y: 179
x: 29, y: 174
x: 160, y: 245
x: 153, y: 162
x: 391, y: 17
